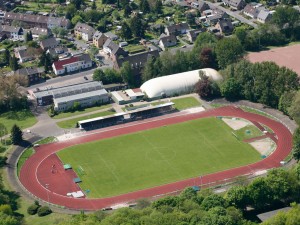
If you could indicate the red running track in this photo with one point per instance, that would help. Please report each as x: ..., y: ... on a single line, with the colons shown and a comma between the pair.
x: 29, y: 177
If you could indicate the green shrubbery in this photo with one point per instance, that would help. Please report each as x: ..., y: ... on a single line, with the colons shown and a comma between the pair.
x: 44, y: 211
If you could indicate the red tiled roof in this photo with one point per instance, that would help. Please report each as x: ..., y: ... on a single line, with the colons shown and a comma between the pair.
x: 136, y: 90
x: 59, y: 64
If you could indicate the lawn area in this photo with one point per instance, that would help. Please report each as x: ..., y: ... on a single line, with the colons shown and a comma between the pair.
x: 22, y: 118
x: 68, y: 124
x: 184, y: 103
x: 86, y: 110
x: 132, y: 49
x: 158, y: 156
x: 247, y: 132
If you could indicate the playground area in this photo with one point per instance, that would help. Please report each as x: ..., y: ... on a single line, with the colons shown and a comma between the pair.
x: 155, y: 166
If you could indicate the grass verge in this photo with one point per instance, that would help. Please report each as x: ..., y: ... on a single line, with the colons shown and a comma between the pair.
x: 86, y: 110
x: 22, y: 118
x: 247, y: 132
x: 185, y: 103
x: 68, y: 124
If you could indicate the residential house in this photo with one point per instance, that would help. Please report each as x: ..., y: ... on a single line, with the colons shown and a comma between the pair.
x: 59, y: 51
x: 25, y: 54
x: 84, y: 31
x: 49, y: 43
x: 99, y: 39
x: 252, y: 9
x: 137, y: 61
x: 31, y: 21
x: 34, y: 74
x: 111, y: 36
x: 166, y: 41
x: 72, y: 64
x: 224, y: 26
x: 113, y: 50
x: 207, y: 12
x: 200, y: 5
x: 37, y: 32
x: 193, y: 34
x: 213, y: 19
x: 235, y: 4
x: 177, y: 29
x: 11, y: 32
x: 264, y: 16
x: 2, y: 13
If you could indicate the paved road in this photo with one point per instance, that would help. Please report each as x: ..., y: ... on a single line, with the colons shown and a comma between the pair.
x: 234, y: 14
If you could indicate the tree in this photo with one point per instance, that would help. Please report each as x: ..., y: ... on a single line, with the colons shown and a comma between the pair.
x: 55, y: 30
x: 207, y: 58
x: 94, y: 6
x: 204, y: 86
x: 127, y: 74
x: 158, y: 7
x: 77, y: 3
x: 125, y: 31
x: 190, y: 18
x: 16, y: 135
x: 63, y: 32
x: 286, y: 101
x: 228, y: 51
x: 259, y: 193
x: 127, y: 11
x: 296, y: 144
x: 144, y: 6
x: 3, y: 131
x: 99, y: 75
x: 294, y: 110
x: 137, y: 27
x: 142, y: 203
x: 74, y: 21
x: 13, y: 63
x: 237, y: 196
x: 28, y: 36
x: 230, y: 89
x: 212, y: 201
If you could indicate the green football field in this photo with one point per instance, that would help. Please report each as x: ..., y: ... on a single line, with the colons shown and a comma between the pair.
x: 158, y: 156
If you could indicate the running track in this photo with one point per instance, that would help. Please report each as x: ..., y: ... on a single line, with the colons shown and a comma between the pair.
x: 29, y: 178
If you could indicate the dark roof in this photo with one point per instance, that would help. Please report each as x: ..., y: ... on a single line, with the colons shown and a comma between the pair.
x: 195, y: 33
x: 111, y: 35
x: 98, y: 35
x: 267, y: 215
x: 60, y: 21
x: 203, y: 6
x: 137, y: 59
x: 29, y: 71
x: 40, y: 31
x: 168, y: 39
x: 23, y: 53
x: 10, y: 29
x: 59, y: 65
x: 84, y: 28
x: 225, y: 25
x: 49, y: 42
x: 115, y: 49
x: 177, y: 27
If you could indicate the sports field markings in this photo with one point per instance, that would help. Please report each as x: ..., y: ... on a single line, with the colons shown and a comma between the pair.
x: 161, y: 154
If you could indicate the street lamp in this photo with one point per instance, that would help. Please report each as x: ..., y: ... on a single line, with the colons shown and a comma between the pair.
x: 47, y: 187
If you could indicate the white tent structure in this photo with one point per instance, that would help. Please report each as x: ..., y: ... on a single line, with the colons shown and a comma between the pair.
x: 176, y: 84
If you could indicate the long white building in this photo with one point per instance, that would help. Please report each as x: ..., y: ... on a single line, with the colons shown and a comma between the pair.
x: 176, y: 84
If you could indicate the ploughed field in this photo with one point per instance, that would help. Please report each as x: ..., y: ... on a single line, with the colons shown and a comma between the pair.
x: 158, y: 156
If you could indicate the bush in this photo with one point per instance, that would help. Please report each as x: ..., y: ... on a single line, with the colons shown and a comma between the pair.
x: 33, y: 209
x: 44, y: 211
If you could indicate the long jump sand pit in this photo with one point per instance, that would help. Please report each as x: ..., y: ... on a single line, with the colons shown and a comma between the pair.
x: 284, y: 56
x: 235, y: 123
x: 264, y: 146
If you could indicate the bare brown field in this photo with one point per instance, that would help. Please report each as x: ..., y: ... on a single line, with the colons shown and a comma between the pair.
x: 288, y: 56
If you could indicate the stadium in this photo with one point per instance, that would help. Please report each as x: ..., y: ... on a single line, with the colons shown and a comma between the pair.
x: 150, y: 158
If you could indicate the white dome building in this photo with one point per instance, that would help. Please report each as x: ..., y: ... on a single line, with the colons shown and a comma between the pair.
x: 176, y: 84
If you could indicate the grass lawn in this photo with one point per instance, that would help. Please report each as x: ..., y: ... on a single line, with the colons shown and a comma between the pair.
x: 86, y: 110
x: 158, y: 156
x: 68, y: 124
x: 134, y: 48
x: 184, y: 103
x: 247, y: 132
x: 22, y: 118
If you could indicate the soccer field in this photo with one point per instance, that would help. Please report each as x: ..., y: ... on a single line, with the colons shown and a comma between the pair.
x: 158, y: 156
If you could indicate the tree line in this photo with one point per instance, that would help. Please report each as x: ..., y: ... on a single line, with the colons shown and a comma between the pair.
x: 279, y: 187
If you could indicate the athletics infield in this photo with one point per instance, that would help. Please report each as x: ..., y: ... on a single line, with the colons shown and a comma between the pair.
x: 37, y: 178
